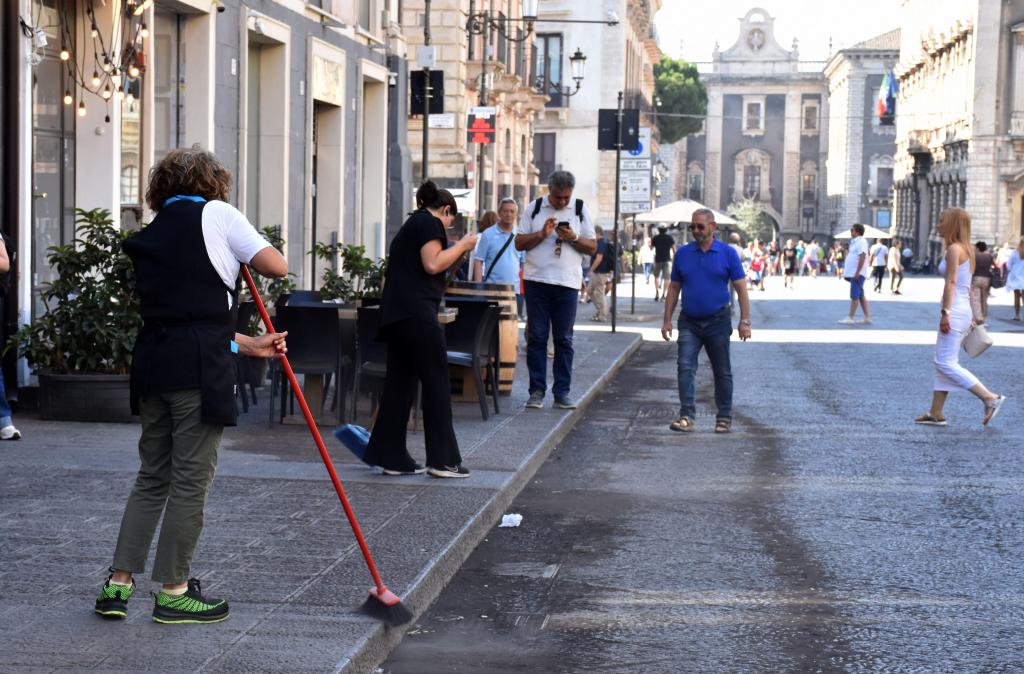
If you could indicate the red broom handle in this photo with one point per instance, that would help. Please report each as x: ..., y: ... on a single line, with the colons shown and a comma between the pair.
x: 316, y: 436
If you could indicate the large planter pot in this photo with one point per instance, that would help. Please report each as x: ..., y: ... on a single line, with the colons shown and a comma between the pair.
x: 85, y: 397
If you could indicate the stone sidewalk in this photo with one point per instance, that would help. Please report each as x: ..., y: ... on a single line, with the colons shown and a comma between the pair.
x: 276, y: 542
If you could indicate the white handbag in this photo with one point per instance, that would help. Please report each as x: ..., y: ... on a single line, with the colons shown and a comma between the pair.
x: 977, y: 341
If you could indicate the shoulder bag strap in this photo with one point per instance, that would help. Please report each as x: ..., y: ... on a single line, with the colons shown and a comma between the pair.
x: 497, y: 257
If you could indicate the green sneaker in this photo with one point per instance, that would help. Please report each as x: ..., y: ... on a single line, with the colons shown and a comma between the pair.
x: 191, y: 607
x: 113, y: 599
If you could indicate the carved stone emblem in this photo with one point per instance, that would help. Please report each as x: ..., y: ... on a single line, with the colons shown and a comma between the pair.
x: 755, y: 39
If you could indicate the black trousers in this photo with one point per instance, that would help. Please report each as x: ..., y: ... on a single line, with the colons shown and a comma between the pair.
x: 416, y: 352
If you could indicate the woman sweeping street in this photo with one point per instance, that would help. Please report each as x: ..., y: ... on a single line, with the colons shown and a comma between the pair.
x: 183, y: 374
x: 955, y: 318
x: 418, y: 259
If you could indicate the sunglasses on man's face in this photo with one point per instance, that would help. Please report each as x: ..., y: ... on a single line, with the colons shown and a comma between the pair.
x: 697, y: 228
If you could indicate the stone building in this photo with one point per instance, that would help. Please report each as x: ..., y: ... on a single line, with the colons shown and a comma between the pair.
x: 502, y: 59
x: 765, y: 135
x: 960, y: 119
x: 301, y: 100
x: 619, y: 57
x: 860, y: 148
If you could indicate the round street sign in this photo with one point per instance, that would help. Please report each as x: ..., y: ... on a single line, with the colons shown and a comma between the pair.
x: 639, y: 149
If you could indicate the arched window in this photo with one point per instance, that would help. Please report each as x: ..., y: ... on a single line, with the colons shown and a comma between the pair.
x: 695, y: 181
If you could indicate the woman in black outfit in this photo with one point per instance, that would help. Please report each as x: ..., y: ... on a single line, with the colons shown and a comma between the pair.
x: 418, y: 259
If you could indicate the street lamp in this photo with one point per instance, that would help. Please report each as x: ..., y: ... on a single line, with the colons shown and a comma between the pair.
x: 480, y: 22
x: 577, y: 67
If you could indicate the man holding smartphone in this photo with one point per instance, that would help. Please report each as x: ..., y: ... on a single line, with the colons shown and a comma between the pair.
x: 555, y: 232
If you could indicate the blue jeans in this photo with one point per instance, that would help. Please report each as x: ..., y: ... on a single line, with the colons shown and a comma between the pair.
x: 712, y: 333
x: 5, y: 407
x: 550, y: 307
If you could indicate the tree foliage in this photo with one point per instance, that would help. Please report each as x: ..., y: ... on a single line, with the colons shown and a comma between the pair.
x: 754, y: 224
x: 678, y: 85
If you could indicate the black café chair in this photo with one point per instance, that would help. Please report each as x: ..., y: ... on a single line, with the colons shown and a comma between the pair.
x: 243, y: 368
x: 473, y: 343
x: 371, y: 358
x: 313, y: 348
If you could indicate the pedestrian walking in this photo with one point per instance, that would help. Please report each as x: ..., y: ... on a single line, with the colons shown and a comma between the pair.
x: 790, y: 260
x: 879, y: 256
x: 703, y: 270
x: 7, y: 429
x: 647, y: 259
x: 186, y: 265
x: 811, y: 261
x: 1015, y: 277
x: 600, y: 270
x: 855, y: 272
x: 894, y: 263
x: 664, y: 246
x: 418, y: 260
x: 955, y: 319
x: 556, y: 232
x: 981, y: 281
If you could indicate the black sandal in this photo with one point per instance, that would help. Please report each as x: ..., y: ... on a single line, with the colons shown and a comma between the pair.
x: 723, y: 425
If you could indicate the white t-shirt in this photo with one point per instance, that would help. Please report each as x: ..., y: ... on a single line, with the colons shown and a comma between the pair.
x: 230, y: 240
x: 879, y: 254
x: 646, y: 254
x: 542, y: 265
x: 857, y: 246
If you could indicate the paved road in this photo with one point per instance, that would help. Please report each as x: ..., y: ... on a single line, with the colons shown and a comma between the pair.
x: 827, y: 533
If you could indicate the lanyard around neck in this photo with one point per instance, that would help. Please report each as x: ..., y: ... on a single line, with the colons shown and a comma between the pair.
x: 184, y: 197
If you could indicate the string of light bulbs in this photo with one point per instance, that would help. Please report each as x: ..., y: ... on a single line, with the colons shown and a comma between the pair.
x: 115, y: 67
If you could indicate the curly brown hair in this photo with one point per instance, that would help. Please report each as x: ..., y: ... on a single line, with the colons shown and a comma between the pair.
x: 189, y: 171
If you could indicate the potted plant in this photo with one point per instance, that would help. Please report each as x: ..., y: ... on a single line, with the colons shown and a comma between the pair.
x: 361, y: 278
x: 271, y: 291
x: 81, y: 347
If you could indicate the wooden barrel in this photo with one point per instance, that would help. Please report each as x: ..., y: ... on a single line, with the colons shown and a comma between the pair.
x: 508, y: 328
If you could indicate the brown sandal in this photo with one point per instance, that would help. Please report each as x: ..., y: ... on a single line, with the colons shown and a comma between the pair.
x: 682, y: 424
x: 723, y: 425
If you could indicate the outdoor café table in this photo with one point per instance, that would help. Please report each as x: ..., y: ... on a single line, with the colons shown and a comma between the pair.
x: 313, y: 384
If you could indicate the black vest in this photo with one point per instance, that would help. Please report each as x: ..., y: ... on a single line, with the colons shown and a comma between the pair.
x: 185, y: 340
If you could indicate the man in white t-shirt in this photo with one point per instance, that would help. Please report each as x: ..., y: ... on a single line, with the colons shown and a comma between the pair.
x: 555, y: 232
x: 855, y: 271
x: 879, y: 254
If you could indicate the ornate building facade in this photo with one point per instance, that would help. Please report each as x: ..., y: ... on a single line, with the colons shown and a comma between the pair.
x: 960, y: 119
x: 503, y: 62
x: 619, y: 57
x: 766, y: 132
x: 861, y: 149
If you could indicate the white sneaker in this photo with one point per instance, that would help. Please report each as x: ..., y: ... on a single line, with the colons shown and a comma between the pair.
x: 847, y: 321
x: 867, y: 321
x: 10, y: 433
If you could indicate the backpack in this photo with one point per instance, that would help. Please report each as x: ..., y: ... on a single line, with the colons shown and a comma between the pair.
x: 12, y: 253
x: 539, y: 202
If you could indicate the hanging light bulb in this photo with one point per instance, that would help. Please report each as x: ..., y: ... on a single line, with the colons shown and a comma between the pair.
x: 95, y: 78
x: 107, y: 118
x: 144, y: 31
x: 95, y: 32
x: 107, y: 65
x: 68, y: 100
x: 120, y: 93
x: 133, y: 70
x: 64, y: 53
x: 107, y: 93
x: 81, y: 109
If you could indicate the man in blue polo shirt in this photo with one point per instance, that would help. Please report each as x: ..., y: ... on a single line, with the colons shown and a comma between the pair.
x: 703, y: 270
x: 495, y: 252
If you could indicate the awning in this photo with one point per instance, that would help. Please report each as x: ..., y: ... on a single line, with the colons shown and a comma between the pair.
x: 869, y: 233
x: 681, y: 211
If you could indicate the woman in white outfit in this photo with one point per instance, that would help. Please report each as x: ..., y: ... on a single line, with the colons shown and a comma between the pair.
x: 955, y: 319
x: 1015, y: 277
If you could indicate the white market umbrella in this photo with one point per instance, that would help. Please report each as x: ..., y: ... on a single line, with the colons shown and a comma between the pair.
x: 869, y: 233
x: 681, y: 211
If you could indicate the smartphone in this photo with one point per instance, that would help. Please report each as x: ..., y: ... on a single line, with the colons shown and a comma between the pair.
x: 563, y: 224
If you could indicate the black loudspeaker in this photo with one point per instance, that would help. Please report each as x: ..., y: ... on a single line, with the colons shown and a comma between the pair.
x: 436, y: 92
x: 606, y: 129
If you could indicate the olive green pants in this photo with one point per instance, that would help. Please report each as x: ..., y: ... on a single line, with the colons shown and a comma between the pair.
x: 178, y: 453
